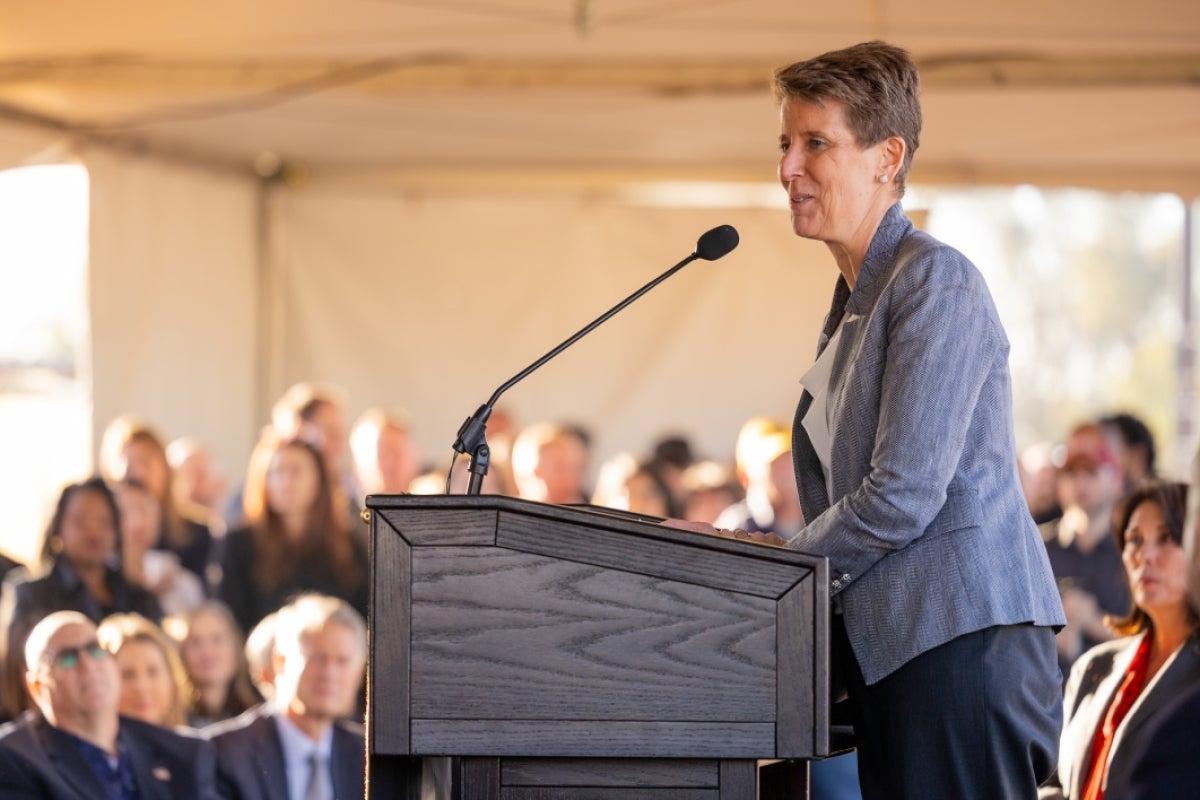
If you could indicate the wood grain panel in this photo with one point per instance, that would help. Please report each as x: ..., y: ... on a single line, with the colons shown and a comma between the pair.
x: 797, y: 700
x: 663, y: 772
x: 593, y: 739
x: 692, y: 562
x: 443, y: 526
x: 504, y: 635
x: 388, y: 637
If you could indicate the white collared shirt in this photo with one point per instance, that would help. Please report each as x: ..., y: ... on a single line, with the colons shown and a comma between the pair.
x: 298, y: 750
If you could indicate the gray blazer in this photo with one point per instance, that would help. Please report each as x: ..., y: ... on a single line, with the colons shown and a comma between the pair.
x: 1094, y: 680
x: 927, y: 532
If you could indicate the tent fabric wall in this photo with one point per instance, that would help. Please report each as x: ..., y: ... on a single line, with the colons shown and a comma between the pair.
x: 430, y: 301
x: 173, y: 300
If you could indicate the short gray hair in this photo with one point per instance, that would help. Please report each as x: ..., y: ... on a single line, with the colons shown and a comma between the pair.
x: 308, y: 613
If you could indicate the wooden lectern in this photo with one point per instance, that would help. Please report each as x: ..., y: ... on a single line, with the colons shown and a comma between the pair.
x: 571, y: 652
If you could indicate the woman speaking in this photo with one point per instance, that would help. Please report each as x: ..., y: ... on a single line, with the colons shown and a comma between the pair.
x: 906, y: 461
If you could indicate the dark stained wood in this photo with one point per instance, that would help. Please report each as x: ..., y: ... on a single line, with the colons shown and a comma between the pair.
x: 650, y: 556
x: 739, y: 779
x: 567, y: 654
x: 660, y: 772
x: 591, y: 738
x: 590, y: 793
x: 795, y: 716
x: 477, y: 779
x: 388, y: 636
x: 443, y: 526
x: 594, y: 643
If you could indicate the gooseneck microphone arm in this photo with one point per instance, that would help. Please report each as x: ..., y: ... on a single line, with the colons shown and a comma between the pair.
x: 471, y: 437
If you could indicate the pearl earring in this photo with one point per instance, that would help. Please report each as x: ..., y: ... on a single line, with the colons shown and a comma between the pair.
x: 883, y: 178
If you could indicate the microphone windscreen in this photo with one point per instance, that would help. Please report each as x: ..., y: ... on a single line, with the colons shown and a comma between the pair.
x: 717, y: 243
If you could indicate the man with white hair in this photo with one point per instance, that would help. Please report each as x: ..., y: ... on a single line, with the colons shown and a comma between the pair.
x: 297, y: 746
x: 75, y: 746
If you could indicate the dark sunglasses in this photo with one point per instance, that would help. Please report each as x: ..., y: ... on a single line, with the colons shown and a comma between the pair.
x: 68, y: 657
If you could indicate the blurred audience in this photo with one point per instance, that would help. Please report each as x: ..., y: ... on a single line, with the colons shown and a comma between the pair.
x: 153, y: 683
x: 1083, y: 552
x: 298, y: 745
x: 386, y: 456
x: 763, y: 457
x: 81, y: 572
x: 175, y: 588
x: 294, y: 540
x: 671, y: 456
x: 75, y: 745
x: 1118, y: 687
x: 198, y: 483
x: 260, y: 655
x: 213, y: 657
x: 1134, y: 446
x: 1039, y: 482
x: 131, y: 449
x: 550, y: 462
x: 709, y: 488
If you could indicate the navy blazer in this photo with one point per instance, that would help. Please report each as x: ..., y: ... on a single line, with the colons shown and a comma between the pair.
x: 250, y: 763
x: 40, y: 762
x: 1166, y: 762
x: 1095, y: 678
x: 927, y: 532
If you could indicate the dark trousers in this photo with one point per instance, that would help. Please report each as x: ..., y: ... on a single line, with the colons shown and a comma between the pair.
x: 976, y: 718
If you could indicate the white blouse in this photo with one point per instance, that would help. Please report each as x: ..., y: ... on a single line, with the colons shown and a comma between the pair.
x: 816, y: 421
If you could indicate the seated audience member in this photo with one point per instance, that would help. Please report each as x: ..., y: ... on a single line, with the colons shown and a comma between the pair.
x: 549, y: 464
x: 386, y: 455
x: 198, y: 484
x: 82, y: 551
x: 175, y: 588
x: 646, y: 491
x: 1134, y: 446
x: 763, y: 456
x: 260, y: 656
x: 294, y: 542
x: 1082, y: 549
x: 132, y: 449
x: 297, y: 745
x: 211, y: 650
x: 1118, y: 687
x: 153, y: 683
x: 1039, y: 482
x: 1166, y: 762
x: 709, y: 488
x: 75, y: 745
x: 671, y: 456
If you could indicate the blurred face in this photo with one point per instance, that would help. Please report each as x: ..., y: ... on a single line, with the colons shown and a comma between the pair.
x: 642, y: 496
x: 560, y: 468
x: 147, y: 465
x: 832, y: 183
x: 785, y: 492
x: 1092, y: 487
x: 329, y: 426
x: 1155, y: 564
x: 199, y: 479
x: 293, y: 480
x: 322, y: 680
x: 147, y: 687
x: 397, y: 459
x: 140, y: 518
x: 209, y: 651
x: 89, y: 532
x: 76, y: 680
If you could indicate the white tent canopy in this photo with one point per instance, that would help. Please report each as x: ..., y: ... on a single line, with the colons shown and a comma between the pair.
x: 416, y: 199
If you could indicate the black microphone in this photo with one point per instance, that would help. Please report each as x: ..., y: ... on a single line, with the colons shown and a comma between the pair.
x: 712, y: 245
